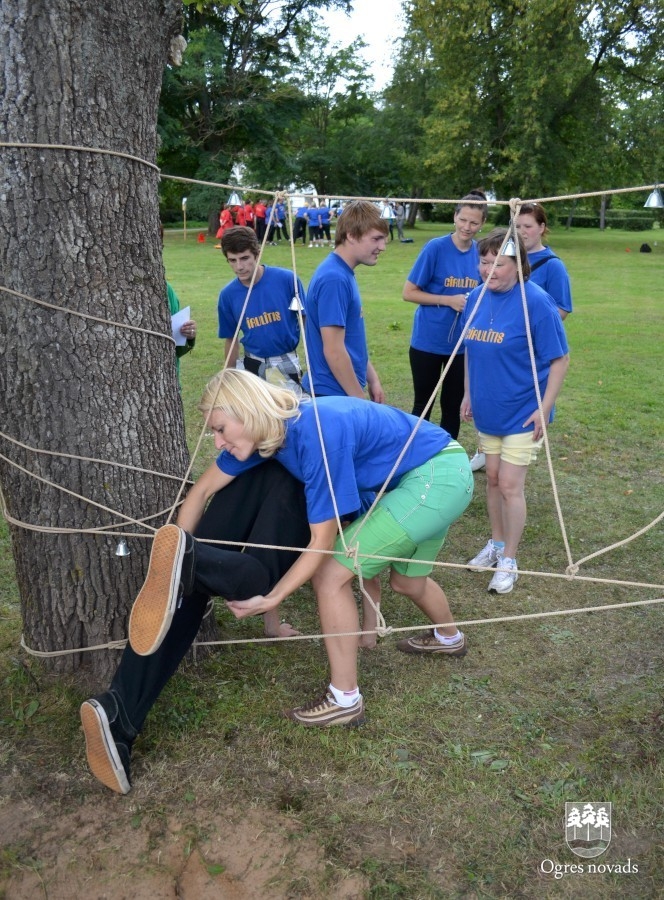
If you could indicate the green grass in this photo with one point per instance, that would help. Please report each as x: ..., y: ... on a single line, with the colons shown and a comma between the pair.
x: 456, y: 786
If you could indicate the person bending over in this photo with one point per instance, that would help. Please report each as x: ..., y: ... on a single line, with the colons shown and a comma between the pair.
x: 253, y: 421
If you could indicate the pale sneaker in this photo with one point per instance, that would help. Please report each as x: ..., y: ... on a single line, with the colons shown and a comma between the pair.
x: 503, y: 582
x: 478, y: 461
x: 486, y: 558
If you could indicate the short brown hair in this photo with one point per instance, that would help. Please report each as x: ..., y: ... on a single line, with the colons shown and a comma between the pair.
x: 239, y: 239
x: 493, y: 242
x: 357, y: 219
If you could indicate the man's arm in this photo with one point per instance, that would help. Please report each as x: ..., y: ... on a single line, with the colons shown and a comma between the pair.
x: 339, y: 361
x: 374, y: 386
x: 231, y: 352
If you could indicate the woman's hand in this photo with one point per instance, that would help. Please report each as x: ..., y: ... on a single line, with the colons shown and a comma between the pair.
x: 255, y: 606
x: 537, y: 418
x: 456, y: 301
x: 466, y: 409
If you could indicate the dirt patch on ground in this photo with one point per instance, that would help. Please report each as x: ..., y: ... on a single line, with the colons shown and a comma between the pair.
x: 108, y: 848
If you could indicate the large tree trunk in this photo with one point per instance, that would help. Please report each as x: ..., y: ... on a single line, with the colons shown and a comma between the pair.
x: 81, y: 231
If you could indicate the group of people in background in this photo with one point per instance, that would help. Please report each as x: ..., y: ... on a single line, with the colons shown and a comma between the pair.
x: 312, y: 221
x: 271, y: 486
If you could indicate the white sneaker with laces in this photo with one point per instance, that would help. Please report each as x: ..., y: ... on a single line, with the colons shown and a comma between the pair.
x: 487, y: 557
x: 503, y: 582
x: 478, y: 461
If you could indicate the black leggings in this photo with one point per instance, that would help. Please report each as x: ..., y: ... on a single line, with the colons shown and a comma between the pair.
x: 426, y: 369
x: 263, y: 506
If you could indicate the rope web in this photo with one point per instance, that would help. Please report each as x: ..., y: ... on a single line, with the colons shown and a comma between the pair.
x: 118, y: 526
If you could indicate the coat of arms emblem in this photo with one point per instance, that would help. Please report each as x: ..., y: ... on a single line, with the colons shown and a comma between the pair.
x: 588, y: 828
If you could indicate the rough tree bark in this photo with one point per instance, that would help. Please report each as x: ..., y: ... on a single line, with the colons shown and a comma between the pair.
x: 81, y: 230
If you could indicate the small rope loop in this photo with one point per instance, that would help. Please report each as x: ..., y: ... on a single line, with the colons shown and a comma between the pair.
x: 572, y: 570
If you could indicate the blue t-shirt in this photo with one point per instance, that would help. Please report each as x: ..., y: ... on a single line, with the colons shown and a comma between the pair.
x: 552, y: 277
x: 333, y: 299
x: 324, y: 215
x: 502, y: 393
x: 269, y: 327
x: 362, y: 440
x: 441, y: 268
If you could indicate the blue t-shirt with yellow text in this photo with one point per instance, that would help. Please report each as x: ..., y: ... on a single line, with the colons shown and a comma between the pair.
x: 502, y: 390
x: 269, y: 327
x: 363, y: 441
x: 441, y: 268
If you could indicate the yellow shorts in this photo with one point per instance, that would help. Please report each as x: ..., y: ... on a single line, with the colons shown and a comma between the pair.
x: 518, y: 449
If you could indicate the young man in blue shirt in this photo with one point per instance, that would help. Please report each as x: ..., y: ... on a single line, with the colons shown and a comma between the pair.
x: 269, y: 323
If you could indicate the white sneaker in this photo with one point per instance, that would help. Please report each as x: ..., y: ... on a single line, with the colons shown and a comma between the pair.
x: 503, y: 582
x: 477, y: 462
x: 487, y: 557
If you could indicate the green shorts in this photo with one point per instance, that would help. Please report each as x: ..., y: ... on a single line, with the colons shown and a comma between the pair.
x: 411, y: 521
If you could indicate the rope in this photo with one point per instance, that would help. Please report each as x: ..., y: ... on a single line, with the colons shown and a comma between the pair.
x: 572, y: 569
x: 82, y: 315
x: 121, y: 644
x: 515, y: 206
x: 20, y: 145
x: 439, y: 200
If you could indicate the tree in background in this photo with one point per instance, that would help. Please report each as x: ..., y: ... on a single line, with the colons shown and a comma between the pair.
x: 527, y: 97
x: 338, y: 141
x: 231, y: 101
x: 408, y: 104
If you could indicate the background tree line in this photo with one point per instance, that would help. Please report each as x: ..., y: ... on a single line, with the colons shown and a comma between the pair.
x: 521, y: 97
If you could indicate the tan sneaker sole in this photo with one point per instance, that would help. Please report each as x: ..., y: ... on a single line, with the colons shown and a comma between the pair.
x: 153, y: 609
x: 103, y: 759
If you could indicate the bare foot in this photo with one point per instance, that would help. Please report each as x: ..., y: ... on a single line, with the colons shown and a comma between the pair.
x: 285, y: 629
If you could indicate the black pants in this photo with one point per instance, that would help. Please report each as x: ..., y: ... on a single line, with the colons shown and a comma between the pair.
x: 426, y: 369
x: 263, y: 506
x: 300, y: 230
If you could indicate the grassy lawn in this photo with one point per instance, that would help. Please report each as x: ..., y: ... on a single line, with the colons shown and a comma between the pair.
x: 456, y: 787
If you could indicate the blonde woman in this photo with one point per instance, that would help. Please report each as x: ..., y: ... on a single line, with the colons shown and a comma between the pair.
x: 252, y: 422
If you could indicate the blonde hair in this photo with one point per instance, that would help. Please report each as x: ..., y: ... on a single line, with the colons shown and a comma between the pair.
x: 262, y: 408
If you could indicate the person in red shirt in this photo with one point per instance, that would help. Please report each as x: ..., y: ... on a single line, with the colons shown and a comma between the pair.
x: 225, y: 222
x: 249, y: 215
x: 259, y: 215
x: 238, y: 215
